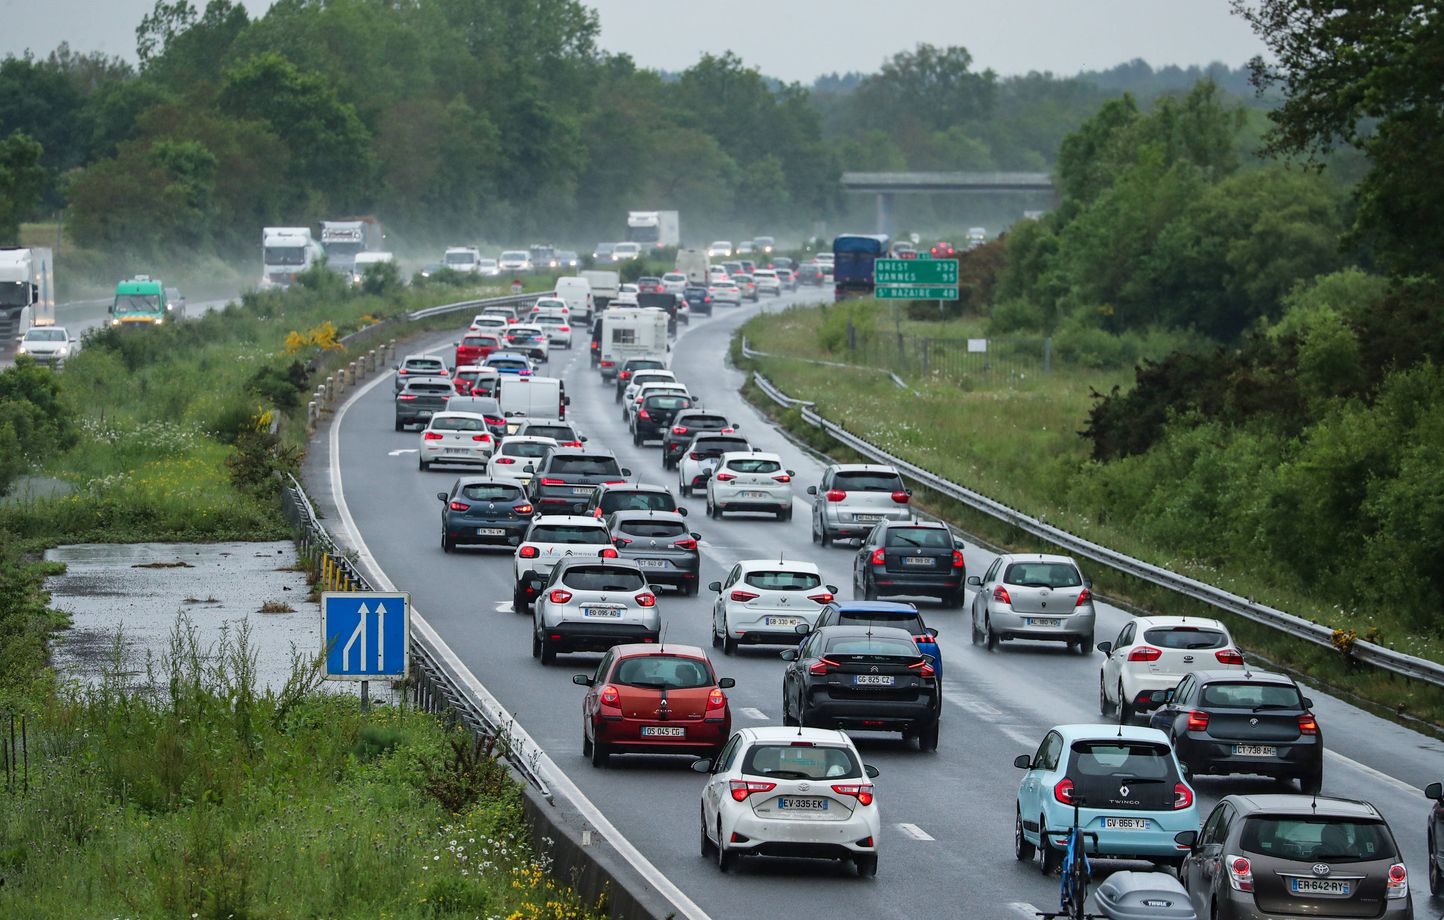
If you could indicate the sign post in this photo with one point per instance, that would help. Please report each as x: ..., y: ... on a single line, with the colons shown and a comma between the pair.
x: 366, y: 636
x: 915, y: 279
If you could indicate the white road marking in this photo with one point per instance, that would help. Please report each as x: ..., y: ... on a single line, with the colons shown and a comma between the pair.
x: 752, y: 712
x: 407, y: 450
x: 505, y: 607
x: 915, y: 832
x: 1375, y: 774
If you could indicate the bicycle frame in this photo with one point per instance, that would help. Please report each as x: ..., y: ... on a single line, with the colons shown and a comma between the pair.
x: 1076, y: 870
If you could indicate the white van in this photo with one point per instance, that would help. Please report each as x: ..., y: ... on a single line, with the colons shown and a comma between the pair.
x: 532, y: 398
x: 605, y: 285
x: 466, y: 259
x: 364, y: 260
x: 577, y: 292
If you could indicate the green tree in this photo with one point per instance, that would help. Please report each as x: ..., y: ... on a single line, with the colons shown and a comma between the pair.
x: 22, y: 181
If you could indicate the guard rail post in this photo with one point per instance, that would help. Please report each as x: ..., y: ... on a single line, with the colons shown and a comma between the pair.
x: 312, y: 416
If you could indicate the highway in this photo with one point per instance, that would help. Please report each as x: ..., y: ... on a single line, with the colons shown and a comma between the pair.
x: 80, y: 316
x: 948, y: 816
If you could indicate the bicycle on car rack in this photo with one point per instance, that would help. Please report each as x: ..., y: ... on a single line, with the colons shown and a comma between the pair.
x: 1076, y: 872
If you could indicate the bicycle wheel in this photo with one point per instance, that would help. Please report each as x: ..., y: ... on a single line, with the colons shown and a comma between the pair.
x: 1078, y: 874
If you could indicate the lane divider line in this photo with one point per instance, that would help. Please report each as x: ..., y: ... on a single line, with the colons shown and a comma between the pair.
x: 915, y: 832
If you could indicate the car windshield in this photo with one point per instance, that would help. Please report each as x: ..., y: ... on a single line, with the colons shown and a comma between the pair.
x: 603, y: 578
x: 783, y: 581
x: 45, y: 335
x: 662, y: 672
x: 567, y: 533
x: 586, y: 466
x: 1252, y: 696
x: 751, y: 465
x: 652, y: 528
x: 1185, y: 637
x: 1043, y: 575
x: 457, y: 423
x: 425, y: 365
x: 491, y: 492
x: 871, y: 645
x: 477, y: 341
x: 555, y: 432
x: 863, y: 481
x: 137, y: 303
x: 801, y: 760
x: 525, y: 448
x: 1117, y: 757
x: 912, y: 622
x: 645, y: 364
x: 459, y: 258
x: 1317, y: 838
x: 637, y: 501
x: 285, y: 255
x: 702, y: 421
x: 514, y: 256
x: 929, y: 537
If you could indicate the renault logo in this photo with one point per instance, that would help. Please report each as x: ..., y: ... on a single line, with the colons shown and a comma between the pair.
x: 1321, y: 870
x: 1123, y: 791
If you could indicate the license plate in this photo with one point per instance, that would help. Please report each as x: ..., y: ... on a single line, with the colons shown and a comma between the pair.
x: 754, y: 495
x: 874, y: 680
x: 1319, y: 886
x: 801, y: 803
x: 1255, y: 750
x: 456, y: 450
x: 663, y: 731
x: 867, y: 518
x: 424, y: 413
x: 1040, y: 621
x: 652, y: 563
x: 581, y: 490
x: 1126, y: 824
x: 920, y: 561
x: 611, y: 613
x: 490, y: 532
x: 780, y: 621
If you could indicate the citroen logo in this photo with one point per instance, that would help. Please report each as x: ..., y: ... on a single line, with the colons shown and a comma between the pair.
x: 1123, y: 791
x: 874, y: 669
x: 1321, y: 870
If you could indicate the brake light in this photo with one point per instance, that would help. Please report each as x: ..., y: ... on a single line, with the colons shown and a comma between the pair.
x: 1228, y: 656
x: 1063, y: 791
x: 1240, y: 872
x: 406, y: 397
x: 1398, y: 884
x: 523, y: 509
x: 553, y: 482
x: 1308, y: 725
x: 1145, y: 653
x: 742, y: 788
x: 481, y: 437
x: 459, y: 506
x: 1084, y: 597
x: 725, y: 477
x: 716, y: 699
x: 528, y: 552
x: 611, y: 553
x: 901, y: 497
x: 686, y: 543
x: 610, y: 696
x: 694, y: 455
x: 646, y: 598
x: 679, y: 429
x: 924, y: 669
x: 505, y: 461
x: 821, y: 666
x: 743, y: 596
x: 957, y: 559
x: 402, y: 372
x: 560, y: 596
x: 432, y: 436
x: 860, y: 791
x: 823, y: 598
x: 1182, y: 796
x: 782, y: 477
x: 494, y: 421
x: 644, y: 414
x: 836, y: 495
x: 564, y: 329
x: 1000, y: 594
x: 625, y: 375
x: 609, y: 364
x: 1197, y: 721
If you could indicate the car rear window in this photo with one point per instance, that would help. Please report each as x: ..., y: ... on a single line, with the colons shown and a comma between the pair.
x: 456, y: 423
x: 1317, y: 838
x: 567, y: 533
x: 423, y: 364
x: 1042, y: 575
x: 586, y: 466
x: 751, y: 465
x: 477, y: 341
x: 491, y: 492
x: 801, y: 760
x: 551, y: 320
x: 507, y: 362
x: 929, y: 537
x: 639, y: 501
x: 1185, y: 637
x: 871, y: 645
x: 430, y: 389
x: 669, y: 672
x: 715, y: 446
x: 603, y: 578
x: 703, y: 421
x: 912, y: 622
x: 668, y: 402
x: 652, y: 528
x: 1138, y: 760
x: 555, y: 432
x: 1252, y: 696
x: 867, y: 482
x: 641, y: 364
x: 525, y: 449
x: 783, y: 581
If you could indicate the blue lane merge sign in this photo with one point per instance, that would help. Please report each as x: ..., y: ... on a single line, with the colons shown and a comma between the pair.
x: 365, y: 635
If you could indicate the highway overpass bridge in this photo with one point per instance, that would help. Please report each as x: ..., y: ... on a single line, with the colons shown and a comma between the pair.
x: 887, y: 184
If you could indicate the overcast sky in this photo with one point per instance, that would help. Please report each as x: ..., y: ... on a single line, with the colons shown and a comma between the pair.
x: 793, y: 39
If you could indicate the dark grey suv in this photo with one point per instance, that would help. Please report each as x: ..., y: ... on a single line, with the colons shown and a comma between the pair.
x: 566, y: 477
x: 420, y: 398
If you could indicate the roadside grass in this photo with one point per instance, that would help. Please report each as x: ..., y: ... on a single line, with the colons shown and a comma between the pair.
x: 200, y: 796
x: 1018, y: 442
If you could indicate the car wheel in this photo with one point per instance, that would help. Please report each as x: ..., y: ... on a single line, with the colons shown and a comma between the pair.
x: 869, y: 593
x: 447, y: 544
x: 953, y: 600
x: 977, y: 633
x: 990, y: 638
x: 549, y: 654
x: 1311, y: 782
x: 729, y: 644
x: 636, y: 439
x: 536, y: 644
x: 601, y: 754
x: 518, y: 601
x: 1022, y: 849
x: 826, y: 538
x: 1125, y: 708
x: 714, y: 511
x: 866, y: 865
x: 1436, y: 878
x: 586, y: 744
x: 784, y: 514
x: 788, y: 718
x: 716, y: 636
x: 399, y: 426
x: 683, y: 489
x: 705, y: 843
x: 1048, y: 856
x: 422, y: 464
x: 928, y: 738
x: 1104, y: 706
x: 726, y: 860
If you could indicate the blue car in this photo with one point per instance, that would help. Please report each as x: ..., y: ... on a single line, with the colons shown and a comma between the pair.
x: 509, y: 362
x: 885, y: 613
x: 1127, y: 786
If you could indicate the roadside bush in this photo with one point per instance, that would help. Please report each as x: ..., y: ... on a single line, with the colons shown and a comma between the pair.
x: 281, y: 387
x: 832, y: 335
x: 381, y: 279
x: 1016, y: 315
x: 34, y: 423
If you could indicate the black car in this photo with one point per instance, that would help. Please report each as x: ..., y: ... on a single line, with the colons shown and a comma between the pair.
x: 566, y: 477
x: 1435, y: 791
x: 810, y: 273
x: 653, y: 418
x: 631, y: 366
x: 698, y: 298
x: 481, y: 511
x: 707, y: 446
x: 862, y: 677
x: 912, y: 558
x: 659, y: 542
x: 630, y: 496
x: 685, y: 426
x: 420, y: 398
x: 596, y: 349
x: 1224, y: 722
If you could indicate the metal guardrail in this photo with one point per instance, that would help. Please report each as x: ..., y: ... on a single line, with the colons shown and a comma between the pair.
x: 749, y: 352
x: 1295, y: 626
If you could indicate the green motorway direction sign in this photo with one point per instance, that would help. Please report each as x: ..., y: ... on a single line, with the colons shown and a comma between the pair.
x: 916, y: 279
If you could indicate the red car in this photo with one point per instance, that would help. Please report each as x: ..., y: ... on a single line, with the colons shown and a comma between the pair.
x: 651, y: 699
x: 943, y: 250
x: 474, y: 348
x: 649, y: 285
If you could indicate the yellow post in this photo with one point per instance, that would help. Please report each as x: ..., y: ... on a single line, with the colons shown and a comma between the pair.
x: 326, y: 572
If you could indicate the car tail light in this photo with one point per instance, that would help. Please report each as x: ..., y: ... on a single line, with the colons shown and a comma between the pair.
x: 499, y: 422
x: 560, y: 596
x: 860, y: 791
x: 571, y: 444
x: 485, y: 438
x: 609, y: 553
x: 1182, y: 796
x: 644, y: 414
x: 958, y: 559
x: 836, y: 495
x: 564, y: 329
x: 523, y: 509
x: 402, y: 372
x: 553, y: 482
x: 459, y: 506
x: 743, y: 596
x: 609, y: 364
x: 878, y: 557
x: 694, y: 455
x: 901, y: 497
x: 1398, y: 884
x: 824, y: 598
x: 610, y: 696
x: 646, y: 598
x: 1000, y: 594
x: 716, y: 699
x: 742, y: 788
x: 432, y: 436
x: 686, y: 543
x: 1228, y: 656
x: 1145, y: 653
x: 505, y: 461
x: 406, y: 397
x: 782, y: 477
x: 1063, y: 791
x: 1240, y: 872
x: 924, y: 669
x: 1308, y: 725
x: 625, y: 375
x: 821, y: 666
x: 1197, y: 721
x: 679, y: 429
x: 725, y: 477
x: 528, y: 552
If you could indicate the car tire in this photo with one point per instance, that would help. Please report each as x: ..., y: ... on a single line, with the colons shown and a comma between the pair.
x: 928, y: 737
x: 447, y: 544
x: 548, y: 652
x: 684, y: 490
x: 1022, y: 849
x: 726, y: 860
x: 1105, y: 707
x: 1436, y: 878
x: 954, y: 600
x: 1125, y: 709
x: 536, y: 644
x: 716, y: 637
x: 977, y: 633
x: 866, y: 865
x: 518, y: 601
x: 787, y: 717
x: 400, y: 426
x: 1048, y: 856
x: 825, y: 538
x: 1082, y: 645
x: 785, y: 514
x: 705, y: 844
x: 601, y: 754
x: 691, y: 588
x: 816, y: 538
x: 729, y: 645
x: 586, y: 744
x: 1313, y: 781
x: 990, y: 638
x: 714, y: 511
x: 636, y: 439
x: 422, y: 465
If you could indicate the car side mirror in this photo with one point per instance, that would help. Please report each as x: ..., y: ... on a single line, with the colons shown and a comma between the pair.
x: 812, y: 490
x: 626, y: 472
x: 683, y: 512
x: 619, y: 542
x: 802, y: 629
x: 871, y: 771
x: 1308, y: 703
x: 975, y: 581
x: 726, y: 683
x: 394, y: 367
x: 529, y: 468
x: 1105, y: 647
x: 1088, y: 583
x: 1023, y: 762
x: 1159, y: 697
x: 566, y: 400
x: 702, y: 766
x: 792, y: 473
x: 788, y: 654
x: 707, y: 473
x: 831, y: 589
x: 695, y: 535
x: 934, y: 632
x: 1434, y: 791
x: 441, y: 496
x: 582, y: 680
x: 584, y: 439
x: 1186, y: 839
x: 715, y: 586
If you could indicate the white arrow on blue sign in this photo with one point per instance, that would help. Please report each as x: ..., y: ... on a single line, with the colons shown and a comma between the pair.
x: 365, y: 635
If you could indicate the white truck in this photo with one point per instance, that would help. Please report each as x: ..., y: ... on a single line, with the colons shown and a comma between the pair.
x: 695, y: 265
x: 654, y: 229
x: 344, y: 239
x: 285, y: 253
x: 605, y: 287
x: 632, y: 332
x: 27, y: 291
x: 464, y: 259
x: 532, y: 397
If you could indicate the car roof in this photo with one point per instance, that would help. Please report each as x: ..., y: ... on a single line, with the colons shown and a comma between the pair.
x: 781, y: 733
x: 1201, y: 622
x: 751, y: 454
x: 560, y: 451
x: 1038, y: 557
x: 1105, y: 731
x: 528, y: 439
x: 873, y: 607
x: 864, y: 468
x: 611, y: 562
x: 427, y: 379
x: 421, y: 357
x: 457, y: 413
x: 1244, y: 677
x: 631, y: 487
x: 641, y: 514
x: 548, y: 422
x: 640, y: 650
x: 464, y: 481
x: 569, y: 519
x: 1308, y: 805
x: 908, y: 525
x: 779, y: 565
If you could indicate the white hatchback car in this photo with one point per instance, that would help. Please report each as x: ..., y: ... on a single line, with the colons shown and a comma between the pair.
x: 763, y: 601
x: 721, y: 248
x: 550, y: 539
x: 725, y: 290
x: 701, y: 456
x: 516, y: 456
x: 674, y: 282
x: 1153, y: 653
x: 558, y: 328
x: 767, y: 282
x: 789, y: 792
x: 752, y: 481
x: 645, y: 375
x: 456, y: 437
x: 529, y: 339
x: 488, y: 322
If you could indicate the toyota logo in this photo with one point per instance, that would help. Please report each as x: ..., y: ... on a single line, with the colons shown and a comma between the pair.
x: 804, y: 787
x: 1123, y: 791
x: 1321, y: 870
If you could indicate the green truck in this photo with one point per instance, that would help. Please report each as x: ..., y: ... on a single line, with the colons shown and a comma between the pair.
x: 141, y: 301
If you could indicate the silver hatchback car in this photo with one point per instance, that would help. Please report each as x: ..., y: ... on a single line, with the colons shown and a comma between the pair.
x: 1033, y: 596
x: 853, y: 498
